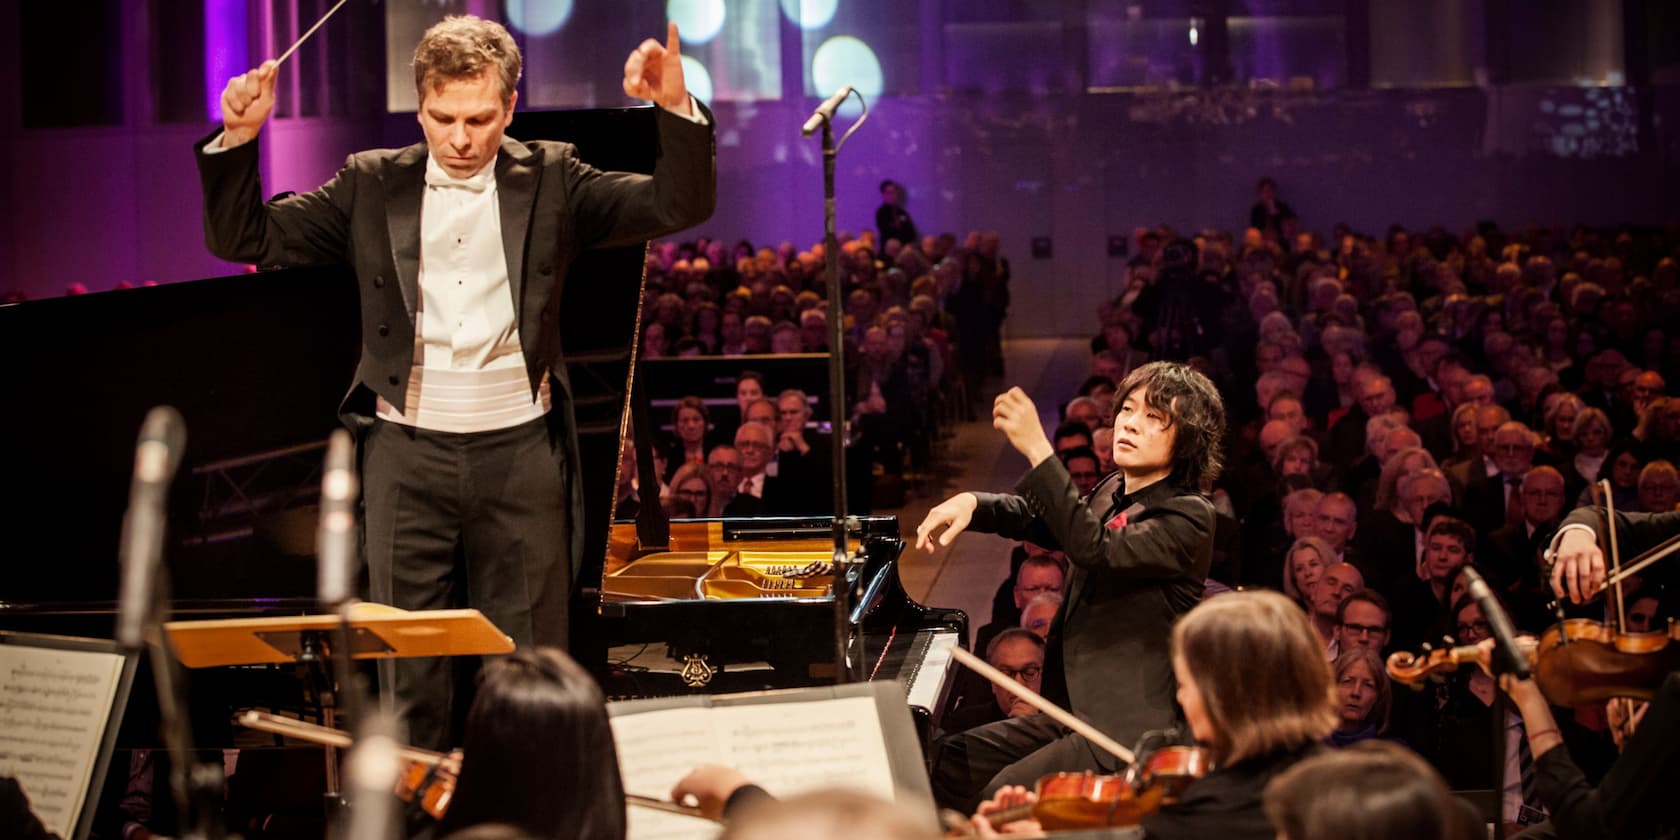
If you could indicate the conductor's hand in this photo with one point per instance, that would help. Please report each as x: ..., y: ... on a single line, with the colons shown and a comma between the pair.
x: 654, y: 72
x: 1015, y: 415
x: 710, y: 786
x: 1578, y: 570
x: 953, y: 515
x: 246, y: 103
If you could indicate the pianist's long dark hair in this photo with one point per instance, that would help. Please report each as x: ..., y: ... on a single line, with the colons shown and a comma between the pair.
x: 539, y: 752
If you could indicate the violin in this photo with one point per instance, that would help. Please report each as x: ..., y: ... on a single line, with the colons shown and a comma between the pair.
x: 1576, y: 662
x: 430, y: 778
x: 1072, y: 801
x: 430, y: 785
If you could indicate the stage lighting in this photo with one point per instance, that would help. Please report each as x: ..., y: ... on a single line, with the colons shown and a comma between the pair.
x: 697, y: 77
x: 844, y: 60
x: 538, y: 17
x: 810, y: 14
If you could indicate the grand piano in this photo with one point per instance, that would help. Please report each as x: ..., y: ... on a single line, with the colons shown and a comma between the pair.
x: 257, y: 364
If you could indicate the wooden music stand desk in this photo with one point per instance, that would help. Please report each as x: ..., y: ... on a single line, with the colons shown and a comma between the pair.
x: 378, y: 632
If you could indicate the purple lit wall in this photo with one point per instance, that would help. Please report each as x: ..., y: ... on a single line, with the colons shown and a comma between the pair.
x: 100, y: 205
x: 227, y: 33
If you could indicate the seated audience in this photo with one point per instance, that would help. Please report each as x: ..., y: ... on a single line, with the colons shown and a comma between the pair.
x: 1019, y: 654
x: 1338, y: 581
x: 1306, y: 561
x: 1362, y: 621
x: 1040, y: 613
x: 1040, y: 572
x: 1364, y: 697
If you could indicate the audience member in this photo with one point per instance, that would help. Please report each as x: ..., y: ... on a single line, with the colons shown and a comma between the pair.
x: 1364, y: 697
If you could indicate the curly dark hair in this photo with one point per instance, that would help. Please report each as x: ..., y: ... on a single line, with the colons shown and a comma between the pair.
x: 1193, y: 408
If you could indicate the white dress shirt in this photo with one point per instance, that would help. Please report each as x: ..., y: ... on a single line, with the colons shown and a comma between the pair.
x: 469, y: 369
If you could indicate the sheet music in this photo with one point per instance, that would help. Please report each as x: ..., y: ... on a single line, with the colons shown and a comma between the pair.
x: 53, y: 708
x: 789, y: 748
x: 786, y: 748
x: 655, y: 750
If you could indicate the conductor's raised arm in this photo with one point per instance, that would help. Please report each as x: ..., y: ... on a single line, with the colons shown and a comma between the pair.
x: 247, y: 101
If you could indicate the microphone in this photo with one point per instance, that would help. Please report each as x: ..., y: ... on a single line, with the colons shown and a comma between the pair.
x: 163, y: 436
x: 1511, y: 659
x: 372, y: 769
x: 335, y: 536
x: 825, y: 111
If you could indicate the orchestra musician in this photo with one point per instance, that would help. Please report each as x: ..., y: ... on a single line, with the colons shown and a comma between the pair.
x: 460, y: 399
x: 539, y: 753
x: 1373, y: 790
x: 1139, y: 548
x: 1633, y: 798
x: 1257, y: 692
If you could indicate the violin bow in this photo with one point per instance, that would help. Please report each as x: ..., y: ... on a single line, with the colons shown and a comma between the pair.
x: 1037, y: 701
x: 655, y: 804
x: 327, y: 736
x: 1615, y: 554
x: 317, y: 734
x: 1642, y: 561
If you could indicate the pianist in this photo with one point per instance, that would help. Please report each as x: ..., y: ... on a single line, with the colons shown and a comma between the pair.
x: 1138, y: 548
x: 460, y: 397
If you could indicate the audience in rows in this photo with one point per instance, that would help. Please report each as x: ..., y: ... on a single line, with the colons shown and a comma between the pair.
x: 1404, y: 407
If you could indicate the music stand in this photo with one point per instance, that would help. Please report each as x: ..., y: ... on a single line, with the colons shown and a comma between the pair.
x: 377, y: 631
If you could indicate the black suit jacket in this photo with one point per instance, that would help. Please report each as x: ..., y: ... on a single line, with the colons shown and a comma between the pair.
x: 553, y: 205
x: 367, y: 217
x: 1107, y: 656
x: 1636, y: 533
x: 1635, y: 799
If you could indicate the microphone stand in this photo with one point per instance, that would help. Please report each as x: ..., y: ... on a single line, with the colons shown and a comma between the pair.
x: 197, y: 787
x: 844, y: 584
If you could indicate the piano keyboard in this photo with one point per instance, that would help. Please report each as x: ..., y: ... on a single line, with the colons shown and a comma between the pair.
x: 925, y: 684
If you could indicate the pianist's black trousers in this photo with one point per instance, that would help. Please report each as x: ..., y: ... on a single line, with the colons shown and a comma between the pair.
x: 969, y: 766
x: 465, y: 519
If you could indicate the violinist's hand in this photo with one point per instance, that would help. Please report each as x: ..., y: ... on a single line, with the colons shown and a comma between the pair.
x: 1578, y: 569
x: 246, y: 103
x: 711, y: 786
x: 953, y: 515
x: 1520, y: 690
x: 1624, y: 715
x: 1014, y: 414
x: 654, y: 72
x: 1008, y: 796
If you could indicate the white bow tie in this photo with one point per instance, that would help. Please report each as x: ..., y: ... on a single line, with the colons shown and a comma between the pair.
x: 479, y: 181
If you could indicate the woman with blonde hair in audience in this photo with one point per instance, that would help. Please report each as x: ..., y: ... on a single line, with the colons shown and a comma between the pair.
x: 1370, y: 791
x: 1297, y: 456
x: 1590, y: 437
x: 1559, y: 413
x: 1305, y: 563
x: 1467, y: 439
x: 1299, y: 511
